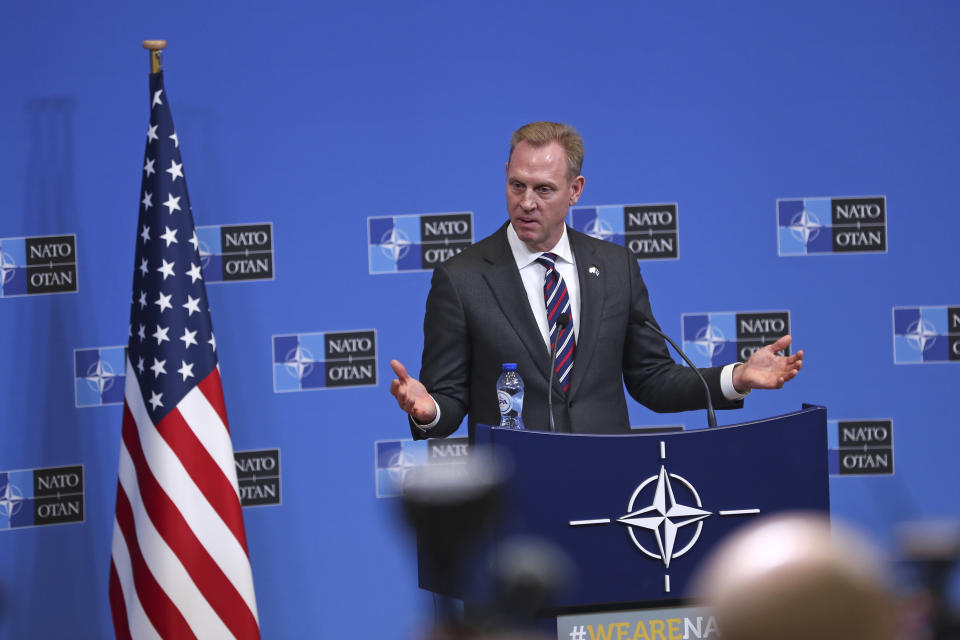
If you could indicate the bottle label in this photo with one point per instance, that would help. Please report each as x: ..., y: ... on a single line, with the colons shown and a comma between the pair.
x: 506, y: 402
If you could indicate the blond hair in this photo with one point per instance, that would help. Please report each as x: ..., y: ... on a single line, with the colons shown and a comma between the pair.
x: 542, y: 133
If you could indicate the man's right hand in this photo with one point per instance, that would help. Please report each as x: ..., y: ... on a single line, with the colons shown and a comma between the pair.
x: 411, y: 395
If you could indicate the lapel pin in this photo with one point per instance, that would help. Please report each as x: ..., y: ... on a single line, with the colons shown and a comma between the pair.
x: 594, y: 271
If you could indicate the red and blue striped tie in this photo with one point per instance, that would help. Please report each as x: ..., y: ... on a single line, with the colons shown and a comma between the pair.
x: 558, y: 302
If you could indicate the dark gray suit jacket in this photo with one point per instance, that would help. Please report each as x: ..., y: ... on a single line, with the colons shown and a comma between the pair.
x: 478, y: 317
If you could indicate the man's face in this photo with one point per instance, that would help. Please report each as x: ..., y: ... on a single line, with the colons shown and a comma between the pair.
x: 539, y: 192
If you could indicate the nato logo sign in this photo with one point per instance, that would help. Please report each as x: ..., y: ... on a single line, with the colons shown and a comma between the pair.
x: 37, y: 497
x: 41, y: 264
x: 860, y: 447
x: 416, y: 242
x: 393, y: 459
x: 98, y: 376
x: 648, y: 230
x: 229, y: 253
x: 258, y: 474
x: 810, y: 226
x: 715, y: 339
x: 334, y: 359
x: 922, y: 335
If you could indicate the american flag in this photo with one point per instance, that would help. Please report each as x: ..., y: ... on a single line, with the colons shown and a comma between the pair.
x: 179, y: 566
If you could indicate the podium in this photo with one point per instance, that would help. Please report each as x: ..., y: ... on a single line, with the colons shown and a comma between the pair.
x: 638, y: 513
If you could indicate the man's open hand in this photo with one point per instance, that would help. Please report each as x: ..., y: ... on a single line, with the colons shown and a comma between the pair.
x: 767, y: 370
x: 412, y: 396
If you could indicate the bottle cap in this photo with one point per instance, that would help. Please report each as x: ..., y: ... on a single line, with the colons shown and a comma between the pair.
x: 509, y: 366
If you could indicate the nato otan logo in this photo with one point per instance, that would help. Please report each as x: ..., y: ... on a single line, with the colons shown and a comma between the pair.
x: 230, y: 253
x: 416, y: 242
x: 812, y: 226
x: 860, y: 447
x: 333, y: 359
x: 36, y: 265
x: 922, y: 335
x: 715, y: 339
x: 394, y: 459
x: 258, y: 474
x: 648, y: 230
x: 98, y: 376
x: 37, y: 497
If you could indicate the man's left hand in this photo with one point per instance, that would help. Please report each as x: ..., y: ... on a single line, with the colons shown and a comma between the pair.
x: 767, y: 370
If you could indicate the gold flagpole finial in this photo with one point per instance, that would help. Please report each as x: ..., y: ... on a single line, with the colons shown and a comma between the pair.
x: 155, y: 47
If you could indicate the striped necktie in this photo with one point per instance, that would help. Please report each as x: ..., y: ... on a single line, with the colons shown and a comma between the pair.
x: 558, y: 302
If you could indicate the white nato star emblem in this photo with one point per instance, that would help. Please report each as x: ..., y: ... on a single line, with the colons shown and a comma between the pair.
x: 173, y: 204
x: 805, y: 226
x: 175, y: 170
x: 8, y: 267
x: 158, y: 367
x: 398, y: 467
x: 600, y: 229
x: 395, y: 244
x: 148, y: 167
x: 709, y: 340
x: 921, y: 334
x: 152, y: 133
x: 664, y: 517
x: 299, y: 362
x: 11, y: 500
x: 100, y: 376
x: 155, y: 400
x: 164, y: 302
x: 191, y: 305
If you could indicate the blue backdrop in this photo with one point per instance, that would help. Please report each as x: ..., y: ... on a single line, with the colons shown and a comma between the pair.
x: 315, y: 117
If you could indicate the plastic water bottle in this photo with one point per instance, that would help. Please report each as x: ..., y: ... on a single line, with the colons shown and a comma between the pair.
x: 510, y: 397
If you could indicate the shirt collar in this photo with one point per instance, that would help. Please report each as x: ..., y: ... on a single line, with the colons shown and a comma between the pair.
x: 524, y: 257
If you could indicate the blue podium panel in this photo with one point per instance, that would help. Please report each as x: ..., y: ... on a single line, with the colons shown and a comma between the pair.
x: 638, y: 513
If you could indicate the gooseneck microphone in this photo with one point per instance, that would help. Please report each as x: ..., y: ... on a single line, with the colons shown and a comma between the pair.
x: 562, y: 321
x: 711, y: 416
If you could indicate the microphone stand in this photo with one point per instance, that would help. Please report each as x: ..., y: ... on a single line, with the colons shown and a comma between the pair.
x: 562, y: 321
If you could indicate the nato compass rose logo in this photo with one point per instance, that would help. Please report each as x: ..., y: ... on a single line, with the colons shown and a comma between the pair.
x: 11, y: 500
x: 656, y: 514
x: 299, y: 362
x: 710, y: 340
x: 8, y: 267
x: 599, y: 229
x: 805, y: 226
x: 921, y: 335
x: 100, y: 376
x: 394, y: 244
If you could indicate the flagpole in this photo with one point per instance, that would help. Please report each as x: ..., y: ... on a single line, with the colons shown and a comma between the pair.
x: 155, y: 47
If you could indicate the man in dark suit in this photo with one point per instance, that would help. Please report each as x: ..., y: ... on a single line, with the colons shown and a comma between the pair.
x: 487, y: 306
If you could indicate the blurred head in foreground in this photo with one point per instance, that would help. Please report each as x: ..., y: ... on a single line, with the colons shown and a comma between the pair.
x: 795, y: 577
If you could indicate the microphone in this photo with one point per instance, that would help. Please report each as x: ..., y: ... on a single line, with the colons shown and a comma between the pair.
x: 562, y: 321
x: 711, y: 416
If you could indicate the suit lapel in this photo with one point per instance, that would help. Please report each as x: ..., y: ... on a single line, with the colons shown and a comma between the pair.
x: 504, y: 280
x: 591, y: 309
